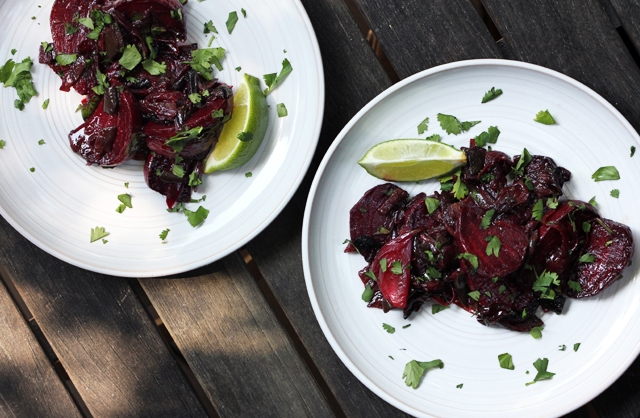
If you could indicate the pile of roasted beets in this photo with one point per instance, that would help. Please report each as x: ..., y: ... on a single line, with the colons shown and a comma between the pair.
x: 508, y: 245
x: 143, y: 112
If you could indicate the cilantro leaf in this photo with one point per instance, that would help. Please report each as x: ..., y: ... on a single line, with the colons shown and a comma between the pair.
x: 460, y: 190
x: 41, y: 142
x: 203, y: 59
x: 125, y: 199
x: 472, y: 259
x: 490, y: 136
x: 45, y: 104
x: 538, y: 211
x: 383, y: 264
x: 432, y: 204
x: 459, y: 386
x: 506, y: 361
x: 130, y: 57
x: 486, y: 219
x: 415, y: 370
x: 153, y: 67
x: 273, y: 80
x: 19, y: 77
x: 209, y: 28
x: 587, y: 258
x: 2, y: 143
x: 388, y: 328
x: 97, y: 233
x: 396, y: 267
x: 491, y: 94
x: 541, y: 367
x: 615, y: 193
x: 575, y: 286
x: 544, y: 282
x: 493, y: 245
x: 423, y: 126
x: 633, y: 151
x: 545, y: 118
x: 197, y: 217
x: 164, y: 233
x: 606, y: 173
x: 536, y: 332
x: 86, y: 21
x: 244, y: 12
x: 434, y: 137
x: 436, y: 307
x: 451, y: 125
x: 367, y: 295
x: 575, y: 347
x: 231, y: 21
x: 475, y: 295
x: 282, y: 110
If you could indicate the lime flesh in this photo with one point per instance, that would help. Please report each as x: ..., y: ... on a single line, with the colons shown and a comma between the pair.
x: 411, y: 160
x: 249, y: 120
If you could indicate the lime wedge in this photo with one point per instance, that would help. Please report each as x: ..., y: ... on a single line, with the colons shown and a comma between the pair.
x: 411, y: 160
x: 242, y: 135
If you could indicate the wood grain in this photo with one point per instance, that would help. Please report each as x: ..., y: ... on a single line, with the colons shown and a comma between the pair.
x: 353, y: 76
x: 416, y: 35
x: 234, y: 344
x: 29, y: 386
x: 628, y: 11
x: 101, y: 334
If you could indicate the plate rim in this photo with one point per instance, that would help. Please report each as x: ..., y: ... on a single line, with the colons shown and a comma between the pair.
x: 484, y: 62
x: 286, y: 198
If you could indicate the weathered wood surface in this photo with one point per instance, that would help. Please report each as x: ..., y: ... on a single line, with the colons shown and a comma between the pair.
x: 353, y: 76
x: 234, y: 344
x: 29, y: 386
x: 628, y: 12
x: 100, y: 333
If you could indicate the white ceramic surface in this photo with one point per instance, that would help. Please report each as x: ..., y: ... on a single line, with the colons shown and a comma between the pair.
x: 56, y: 206
x: 590, y: 133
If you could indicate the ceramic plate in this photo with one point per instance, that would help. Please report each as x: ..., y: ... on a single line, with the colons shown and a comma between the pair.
x: 56, y: 205
x: 590, y: 133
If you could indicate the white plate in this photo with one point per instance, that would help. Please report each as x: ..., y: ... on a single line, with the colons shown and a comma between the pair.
x: 56, y: 206
x: 590, y: 133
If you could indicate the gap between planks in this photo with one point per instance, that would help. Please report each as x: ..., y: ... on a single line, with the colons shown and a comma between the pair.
x: 44, y: 343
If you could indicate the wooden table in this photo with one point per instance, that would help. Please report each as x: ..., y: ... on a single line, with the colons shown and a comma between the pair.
x: 238, y: 337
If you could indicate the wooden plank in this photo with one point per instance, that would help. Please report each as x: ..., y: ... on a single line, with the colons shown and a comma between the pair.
x: 416, y: 35
x: 234, y: 344
x: 575, y: 38
x: 628, y: 11
x: 101, y: 334
x: 29, y: 386
x: 353, y: 76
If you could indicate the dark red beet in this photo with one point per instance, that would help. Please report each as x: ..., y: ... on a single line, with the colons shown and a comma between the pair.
x: 392, y: 268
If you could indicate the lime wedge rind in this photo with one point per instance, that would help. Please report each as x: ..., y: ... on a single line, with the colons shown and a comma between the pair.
x: 410, y: 159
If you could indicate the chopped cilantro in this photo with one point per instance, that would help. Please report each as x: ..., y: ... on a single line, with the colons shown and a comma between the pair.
x: 164, y: 233
x: 414, y: 370
x: 126, y: 185
x: 248, y: 174
x: 130, y: 57
x: 436, y: 307
x: 153, y: 67
x: 383, y: 264
x: 576, y: 346
x: 406, y: 326
x: 490, y: 136
x: 615, y: 193
x: 575, y: 286
x: 282, y: 110
x: 491, y: 94
x: 238, y: 69
x: 423, y: 126
x: 178, y: 170
x: 506, y: 361
x: 196, y: 98
x: 459, y: 386
x: 541, y: 367
x: 633, y: 151
x: 475, y: 295
x: 273, y: 80
x: 562, y: 347
x: 537, y: 211
x: 396, y: 267
x: 86, y: 21
x: 197, y: 217
x: 523, y: 161
x: 593, y: 202
x: 552, y: 203
x: 536, y: 332
x: 452, y: 125
x: 472, y: 259
x: 32, y: 169
x: 19, y: 77
x: 486, y: 219
x: 69, y: 29
x: 209, y: 28
x: 606, y: 173
x: 587, y: 258
x: 432, y: 204
x: 545, y: 118
x: 460, y: 190
x: 244, y: 12
x: 98, y: 233
x: 370, y: 275
x: 388, y: 328
x: 45, y: 104
x: 13, y: 51
x: 586, y: 227
x: 434, y: 137
x: 203, y: 59
x: 231, y: 21
x: 245, y: 136
x: 367, y: 295
x: 41, y: 142
x: 194, y: 179
x: 543, y: 284
x: 2, y: 143
x: 493, y: 245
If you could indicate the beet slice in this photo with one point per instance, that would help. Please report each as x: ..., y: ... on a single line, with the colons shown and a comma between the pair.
x: 473, y: 239
x: 109, y: 139
x: 166, y: 19
x: 611, y: 244
x: 373, y: 219
x: 394, y: 274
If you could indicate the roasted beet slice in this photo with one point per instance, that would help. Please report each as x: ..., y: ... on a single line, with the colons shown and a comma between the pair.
x: 474, y: 239
x: 160, y: 175
x: 69, y: 36
x: 546, y: 176
x: 374, y: 218
x: 109, y: 139
x: 611, y: 245
x: 165, y: 19
x: 392, y: 268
